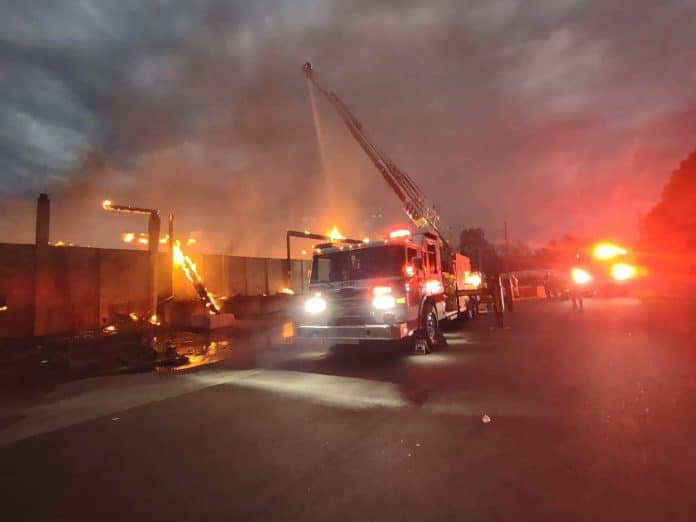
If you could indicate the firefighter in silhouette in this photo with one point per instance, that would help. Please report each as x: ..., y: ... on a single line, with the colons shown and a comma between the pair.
x: 580, y: 278
x: 576, y: 297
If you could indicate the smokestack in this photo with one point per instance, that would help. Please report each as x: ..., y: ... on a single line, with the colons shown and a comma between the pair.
x: 43, y: 219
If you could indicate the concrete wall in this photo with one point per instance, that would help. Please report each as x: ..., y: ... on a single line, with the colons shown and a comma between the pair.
x: 67, y: 293
x: 78, y: 288
x: 17, y: 290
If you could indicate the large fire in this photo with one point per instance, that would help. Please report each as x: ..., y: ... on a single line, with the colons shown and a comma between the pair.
x: 335, y: 234
x: 185, y: 262
x: 191, y: 272
x: 141, y: 238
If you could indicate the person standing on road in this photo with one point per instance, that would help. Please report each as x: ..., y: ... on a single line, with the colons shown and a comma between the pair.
x: 579, y: 278
x: 576, y: 296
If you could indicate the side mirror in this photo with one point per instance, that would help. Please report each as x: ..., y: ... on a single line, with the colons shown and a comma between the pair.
x: 417, y: 263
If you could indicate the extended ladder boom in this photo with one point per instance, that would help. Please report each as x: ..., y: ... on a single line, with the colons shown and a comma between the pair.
x: 419, y: 211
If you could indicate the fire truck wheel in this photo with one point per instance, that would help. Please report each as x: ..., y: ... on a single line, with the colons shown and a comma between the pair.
x: 427, y: 338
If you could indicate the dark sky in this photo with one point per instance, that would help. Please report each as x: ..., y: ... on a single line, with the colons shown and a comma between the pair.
x: 560, y: 116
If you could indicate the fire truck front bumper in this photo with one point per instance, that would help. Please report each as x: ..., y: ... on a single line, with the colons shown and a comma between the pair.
x: 355, y: 333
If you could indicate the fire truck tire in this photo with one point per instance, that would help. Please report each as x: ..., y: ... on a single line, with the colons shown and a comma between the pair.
x: 428, y: 335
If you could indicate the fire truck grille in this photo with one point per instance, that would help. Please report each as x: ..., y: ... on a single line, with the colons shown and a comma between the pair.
x: 350, y: 321
x: 350, y: 307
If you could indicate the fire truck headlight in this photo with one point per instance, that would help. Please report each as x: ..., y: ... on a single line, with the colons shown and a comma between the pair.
x: 384, y: 302
x: 315, y: 305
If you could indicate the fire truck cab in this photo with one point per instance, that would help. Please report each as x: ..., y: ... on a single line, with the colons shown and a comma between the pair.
x: 397, y: 288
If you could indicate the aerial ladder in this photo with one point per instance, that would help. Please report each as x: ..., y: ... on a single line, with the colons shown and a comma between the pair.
x: 421, y: 213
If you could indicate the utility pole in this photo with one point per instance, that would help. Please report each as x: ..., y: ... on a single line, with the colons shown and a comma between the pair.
x: 507, y: 243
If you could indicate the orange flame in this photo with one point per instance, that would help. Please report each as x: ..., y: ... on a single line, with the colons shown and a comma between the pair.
x: 141, y: 238
x: 335, y: 234
x: 189, y: 268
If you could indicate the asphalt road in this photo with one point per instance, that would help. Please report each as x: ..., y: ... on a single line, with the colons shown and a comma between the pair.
x: 593, y: 417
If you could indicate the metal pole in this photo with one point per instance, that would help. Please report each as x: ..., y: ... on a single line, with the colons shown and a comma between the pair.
x: 288, y: 262
x: 153, y: 230
x: 41, y: 282
x: 308, y: 235
x: 170, y: 232
x: 506, y: 233
x: 498, y: 301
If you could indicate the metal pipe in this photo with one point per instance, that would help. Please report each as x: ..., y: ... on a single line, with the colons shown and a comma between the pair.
x: 108, y: 205
x: 170, y: 246
x: 153, y: 230
x: 308, y: 235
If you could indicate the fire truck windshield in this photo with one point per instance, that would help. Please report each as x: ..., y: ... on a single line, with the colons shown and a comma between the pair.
x: 366, y: 263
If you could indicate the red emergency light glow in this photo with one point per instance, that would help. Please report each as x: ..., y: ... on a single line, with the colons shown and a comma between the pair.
x: 608, y: 251
x: 623, y: 271
x: 381, y: 290
x: 580, y: 276
x: 409, y: 270
x: 434, y: 286
x: 402, y: 232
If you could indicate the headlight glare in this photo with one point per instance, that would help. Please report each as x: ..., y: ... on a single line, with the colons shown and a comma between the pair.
x: 315, y: 305
x: 383, y: 302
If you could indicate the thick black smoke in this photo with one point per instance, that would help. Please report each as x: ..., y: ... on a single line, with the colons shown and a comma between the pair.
x: 554, y: 115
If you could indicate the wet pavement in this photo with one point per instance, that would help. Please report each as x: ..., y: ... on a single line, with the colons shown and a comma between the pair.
x: 590, y: 416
